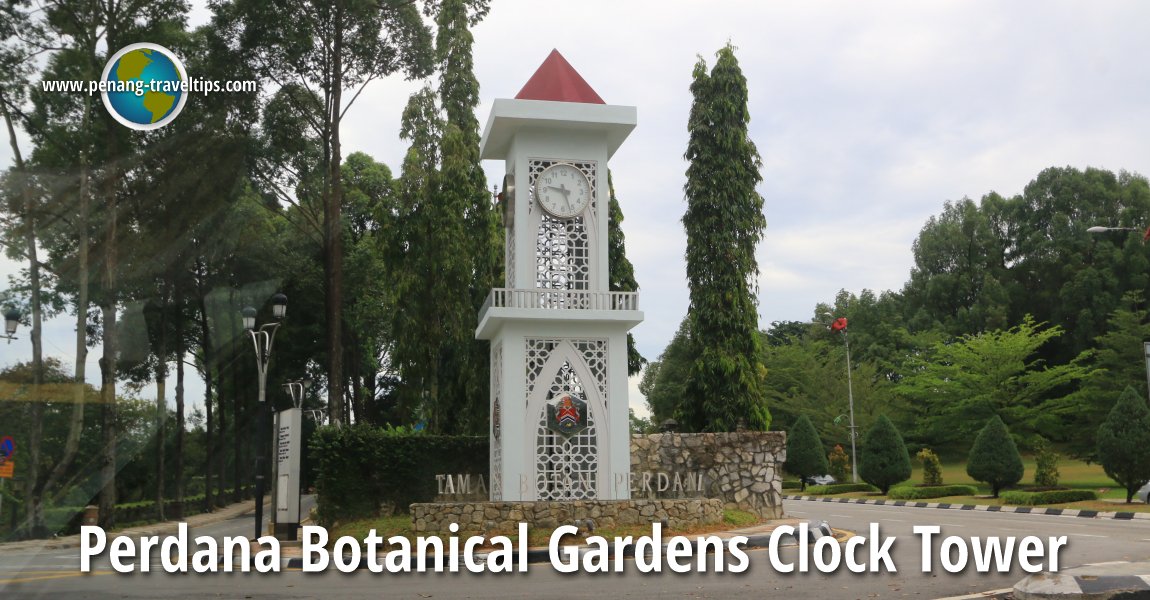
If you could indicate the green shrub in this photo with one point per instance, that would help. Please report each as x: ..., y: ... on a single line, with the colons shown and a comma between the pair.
x: 839, y: 463
x: 994, y: 459
x: 805, y: 454
x: 361, y: 469
x: 792, y: 484
x: 931, y: 467
x: 884, y: 460
x: 1122, y: 442
x: 1021, y: 498
x: 1046, y: 464
x: 934, y: 491
x: 840, y: 488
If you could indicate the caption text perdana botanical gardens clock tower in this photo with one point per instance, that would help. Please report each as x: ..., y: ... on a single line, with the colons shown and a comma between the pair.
x: 559, y: 420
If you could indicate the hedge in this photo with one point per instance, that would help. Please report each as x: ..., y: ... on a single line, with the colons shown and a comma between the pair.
x: 790, y: 484
x: 840, y: 488
x: 1048, y: 497
x: 911, y: 492
x: 362, y: 470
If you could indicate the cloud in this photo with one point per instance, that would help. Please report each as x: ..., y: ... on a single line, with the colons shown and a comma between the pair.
x: 868, y: 117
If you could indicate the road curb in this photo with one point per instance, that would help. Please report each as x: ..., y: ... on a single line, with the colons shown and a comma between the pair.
x: 1032, y: 510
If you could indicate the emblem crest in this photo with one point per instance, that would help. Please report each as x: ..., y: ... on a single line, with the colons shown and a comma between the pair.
x: 567, y: 416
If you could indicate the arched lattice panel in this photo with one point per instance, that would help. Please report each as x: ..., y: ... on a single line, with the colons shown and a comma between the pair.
x: 562, y: 246
x: 567, y: 464
x: 496, y: 422
x: 566, y: 467
x: 593, y: 353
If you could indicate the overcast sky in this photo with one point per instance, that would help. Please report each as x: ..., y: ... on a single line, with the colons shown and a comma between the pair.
x: 868, y: 117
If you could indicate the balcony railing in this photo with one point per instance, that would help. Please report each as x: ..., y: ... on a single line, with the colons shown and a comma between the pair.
x: 561, y: 299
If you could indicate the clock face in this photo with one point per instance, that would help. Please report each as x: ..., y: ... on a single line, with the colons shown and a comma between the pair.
x: 563, y: 190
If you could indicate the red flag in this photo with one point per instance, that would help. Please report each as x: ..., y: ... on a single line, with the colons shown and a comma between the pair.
x: 839, y: 324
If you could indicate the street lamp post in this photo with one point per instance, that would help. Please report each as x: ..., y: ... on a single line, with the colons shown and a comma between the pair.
x: 11, y: 322
x: 840, y: 325
x: 262, y: 341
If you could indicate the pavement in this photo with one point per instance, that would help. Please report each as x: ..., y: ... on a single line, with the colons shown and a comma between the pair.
x: 1119, y: 580
x: 1033, y: 510
x: 163, y: 528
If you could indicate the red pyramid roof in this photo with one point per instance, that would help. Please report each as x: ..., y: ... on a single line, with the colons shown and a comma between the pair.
x: 558, y: 81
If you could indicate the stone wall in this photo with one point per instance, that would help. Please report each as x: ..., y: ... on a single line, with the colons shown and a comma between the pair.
x: 487, y: 517
x: 743, y: 469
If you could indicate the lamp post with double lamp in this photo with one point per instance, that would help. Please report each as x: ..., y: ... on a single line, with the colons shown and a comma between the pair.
x: 11, y: 322
x: 840, y: 325
x: 262, y: 341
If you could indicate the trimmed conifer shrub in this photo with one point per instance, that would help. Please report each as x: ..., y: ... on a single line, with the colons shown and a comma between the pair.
x: 1124, y: 440
x: 883, y: 459
x: 805, y: 456
x: 994, y: 458
x: 839, y: 462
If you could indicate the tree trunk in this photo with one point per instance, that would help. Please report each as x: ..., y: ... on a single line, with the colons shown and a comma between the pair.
x: 76, y: 422
x: 178, y: 302
x: 161, y: 400
x: 237, y: 478
x: 207, y: 356
x: 221, y: 439
x: 333, y: 232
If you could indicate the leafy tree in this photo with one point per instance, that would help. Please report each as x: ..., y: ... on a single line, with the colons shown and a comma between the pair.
x: 805, y: 455
x: 621, y: 277
x: 884, y: 460
x: 724, y: 222
x: 333, y: 47
x: 1122, y: 442
x: 999, y: 372
x: 960, y: 264
x: 839, y: 463
x: 806, y: 375
x: 1116, y: 363
x: 665, y: 380
x: 994, y: 458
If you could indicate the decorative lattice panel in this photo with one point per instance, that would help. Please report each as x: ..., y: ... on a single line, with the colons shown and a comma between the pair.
x: 509, y: 260
x: 562, y: 246
x: 496, y: 422
x: 566, y: 468
x: 592, y: 351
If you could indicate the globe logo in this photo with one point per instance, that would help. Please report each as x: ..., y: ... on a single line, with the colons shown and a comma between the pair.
x: 144, y: 86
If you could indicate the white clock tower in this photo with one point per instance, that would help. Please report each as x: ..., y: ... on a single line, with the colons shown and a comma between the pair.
x: 559, y: 420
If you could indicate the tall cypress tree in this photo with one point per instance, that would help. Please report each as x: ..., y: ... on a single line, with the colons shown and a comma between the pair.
x: 724, y: 222
x: 462, y: 402
x: 1122, y: 441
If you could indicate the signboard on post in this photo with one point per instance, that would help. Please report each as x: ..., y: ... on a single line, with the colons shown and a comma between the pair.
x: 289, y: 438
x: 7, y: 449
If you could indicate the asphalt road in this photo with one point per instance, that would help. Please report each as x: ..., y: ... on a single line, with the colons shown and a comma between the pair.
x: 53, y: 574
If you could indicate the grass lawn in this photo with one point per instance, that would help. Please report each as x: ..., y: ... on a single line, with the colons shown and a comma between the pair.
x: 400, y: 525
x: 1073, y: 474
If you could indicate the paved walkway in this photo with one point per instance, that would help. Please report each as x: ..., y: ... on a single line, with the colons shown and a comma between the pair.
x: 166, y: 527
